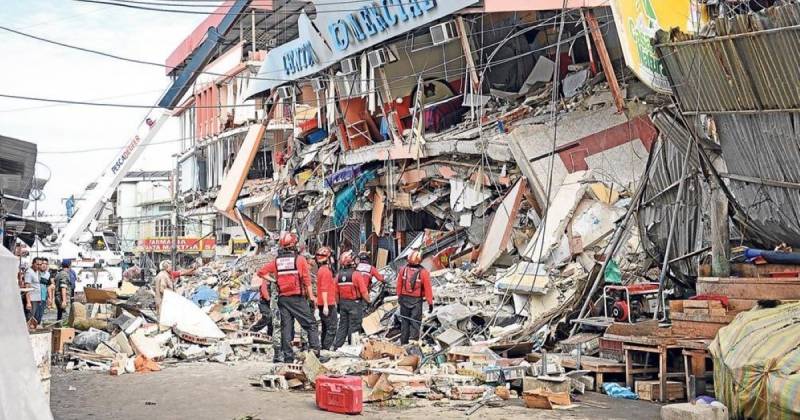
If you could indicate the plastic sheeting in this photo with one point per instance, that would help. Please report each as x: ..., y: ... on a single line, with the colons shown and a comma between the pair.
x: 757, y: 363
x: 346, y: 197
x: 181, y: 313
x: 21, y: 392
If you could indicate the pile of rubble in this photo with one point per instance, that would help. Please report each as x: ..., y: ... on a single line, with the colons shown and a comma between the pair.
x: 206, y: 318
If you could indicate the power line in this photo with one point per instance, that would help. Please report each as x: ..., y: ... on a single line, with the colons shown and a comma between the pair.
x: 127, y: 95
x: 117, y: 57
x: 141, y: 5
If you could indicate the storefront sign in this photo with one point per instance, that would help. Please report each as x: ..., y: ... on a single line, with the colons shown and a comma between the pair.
x: 239, y: 246
x: 186, y: 244
x: 638, y: 21
x: 344, y: 31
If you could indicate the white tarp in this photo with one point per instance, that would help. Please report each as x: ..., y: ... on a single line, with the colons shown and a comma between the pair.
x: 21, y: 392
x: 183, y: 314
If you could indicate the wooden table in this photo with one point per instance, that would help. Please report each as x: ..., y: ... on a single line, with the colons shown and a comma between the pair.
x: 694, y: 362
x: 630, y: 369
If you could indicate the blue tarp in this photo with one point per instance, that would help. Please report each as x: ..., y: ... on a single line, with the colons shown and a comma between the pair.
x: 204, y: 294
x: 347, y: 197
x: 615, y: 390
x: 343, y: 175
x: 248, y: 295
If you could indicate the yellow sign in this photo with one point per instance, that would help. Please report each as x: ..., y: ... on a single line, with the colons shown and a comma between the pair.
x: 239, y: 246
x: 638, y: 21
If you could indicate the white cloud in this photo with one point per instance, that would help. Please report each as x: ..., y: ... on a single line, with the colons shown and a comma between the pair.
x: 34, y: 68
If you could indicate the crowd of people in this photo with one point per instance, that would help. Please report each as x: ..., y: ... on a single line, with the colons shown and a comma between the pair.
x: 46, y: 289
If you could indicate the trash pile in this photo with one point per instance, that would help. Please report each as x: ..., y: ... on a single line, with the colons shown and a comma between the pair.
x: 205, y: 319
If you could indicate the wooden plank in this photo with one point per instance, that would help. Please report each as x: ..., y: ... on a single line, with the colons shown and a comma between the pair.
x: 383, y: 257
x: 717, y: 312
x: 676, y: 306
x: 725, y: 320
x: 750, y: 288
x: 695, y: 304
x: 750, y: 270
x: 696, y: 329
x: 741, y: 304
x: 605, y: 60
x: 696, y: 311
x: 378, y: 204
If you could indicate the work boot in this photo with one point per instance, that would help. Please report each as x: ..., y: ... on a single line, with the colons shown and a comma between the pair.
x: 320, y: 357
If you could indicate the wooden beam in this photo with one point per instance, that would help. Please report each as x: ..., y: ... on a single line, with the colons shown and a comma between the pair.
x: 473, y: 74
x: 605, y: 60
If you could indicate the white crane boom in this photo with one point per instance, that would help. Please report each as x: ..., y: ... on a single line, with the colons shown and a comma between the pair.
x: 114, y: 173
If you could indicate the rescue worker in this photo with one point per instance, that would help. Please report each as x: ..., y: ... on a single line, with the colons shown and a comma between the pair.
x: 327, y: 296
x: 353, y: 295
x: 413, y: 284
x: 364, y: 266
x: 290, y: 271
x: 264, y: 309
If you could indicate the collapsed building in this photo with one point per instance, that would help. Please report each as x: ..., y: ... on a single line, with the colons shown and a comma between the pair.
x: 562, y: 200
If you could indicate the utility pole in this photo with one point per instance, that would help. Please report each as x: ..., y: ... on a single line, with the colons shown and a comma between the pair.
x: 175, y: 189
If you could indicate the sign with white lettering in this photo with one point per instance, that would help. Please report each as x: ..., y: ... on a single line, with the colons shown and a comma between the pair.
x: 344, y: 31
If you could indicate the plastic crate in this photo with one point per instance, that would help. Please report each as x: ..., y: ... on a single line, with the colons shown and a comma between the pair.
x: 339, y: 394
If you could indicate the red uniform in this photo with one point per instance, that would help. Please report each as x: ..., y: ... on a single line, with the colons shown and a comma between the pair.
x: 415, y: 282
x: 291, y: 272
x: 263, y: 290
x: 370, y: 272
x: 351, y: 284
x: 325, y: 283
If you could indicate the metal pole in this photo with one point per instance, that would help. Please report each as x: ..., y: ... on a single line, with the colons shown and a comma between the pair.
x: 175, y: 187
x: 678, y: 204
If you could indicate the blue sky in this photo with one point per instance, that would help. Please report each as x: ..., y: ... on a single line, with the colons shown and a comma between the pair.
x: 34, y: 68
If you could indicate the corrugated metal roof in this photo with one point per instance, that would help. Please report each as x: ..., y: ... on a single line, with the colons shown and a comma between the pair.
x: 660, y: 196
x: 742, y: 71
x: 17, y: 166
x: 765, y: 147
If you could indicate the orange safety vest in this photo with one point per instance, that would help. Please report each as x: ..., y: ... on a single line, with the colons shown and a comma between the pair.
x: 288, y: 276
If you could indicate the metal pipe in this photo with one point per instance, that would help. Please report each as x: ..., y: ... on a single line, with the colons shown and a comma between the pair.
x: 616, y: 240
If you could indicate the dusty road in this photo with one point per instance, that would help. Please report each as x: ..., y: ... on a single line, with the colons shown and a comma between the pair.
x: 215, y: 391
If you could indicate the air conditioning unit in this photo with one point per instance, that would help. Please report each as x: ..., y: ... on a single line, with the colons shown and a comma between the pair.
x: 443, y: 33
x: 377, y: 58
x: 317, y: 84
x: 285, y: 92
x: 349, y: 66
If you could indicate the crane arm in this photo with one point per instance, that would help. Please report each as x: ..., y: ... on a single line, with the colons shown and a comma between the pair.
x: 114, y: 173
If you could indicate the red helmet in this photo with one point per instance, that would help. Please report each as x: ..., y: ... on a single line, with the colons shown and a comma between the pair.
x: 287, y: 240
x: 346, y: 259
x: 323, y: 254
x: 414, y: 258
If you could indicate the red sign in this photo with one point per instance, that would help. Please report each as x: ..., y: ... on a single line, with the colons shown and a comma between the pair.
x: 185, y: 244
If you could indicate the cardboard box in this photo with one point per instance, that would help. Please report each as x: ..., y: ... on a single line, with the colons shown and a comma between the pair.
x: 650, y: 390
x: 61, y: 336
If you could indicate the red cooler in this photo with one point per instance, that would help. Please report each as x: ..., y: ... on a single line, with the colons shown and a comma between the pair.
x: 339, y: 394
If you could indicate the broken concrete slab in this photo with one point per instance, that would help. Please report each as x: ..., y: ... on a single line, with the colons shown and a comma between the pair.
x: 451, y: 337
x: 499, y: 233
x: 690, y: 411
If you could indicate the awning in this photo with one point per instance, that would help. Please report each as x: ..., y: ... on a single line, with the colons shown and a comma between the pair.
x: 345, y: 31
